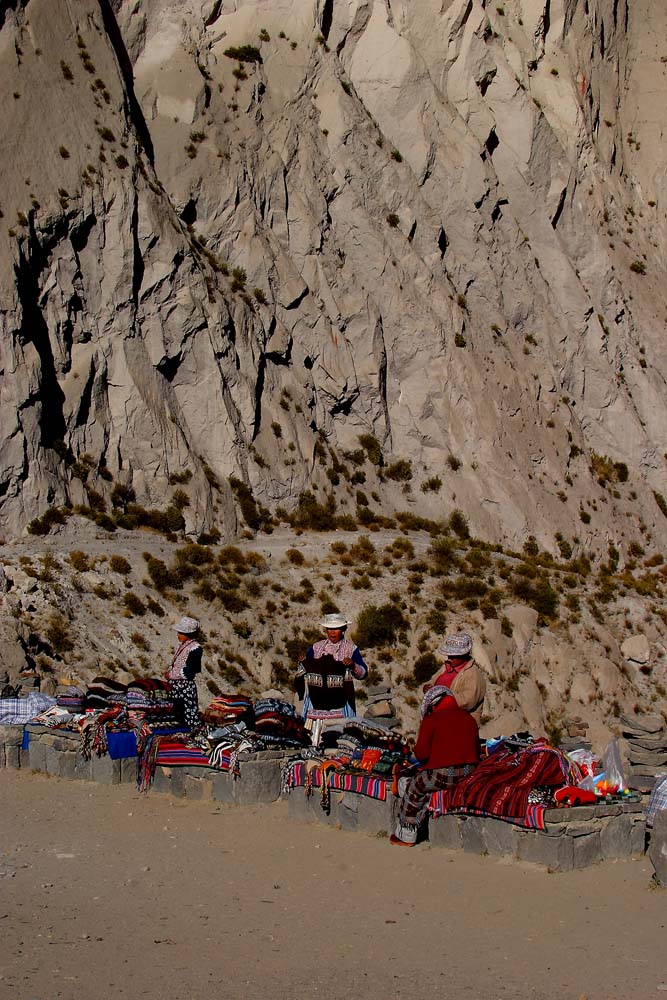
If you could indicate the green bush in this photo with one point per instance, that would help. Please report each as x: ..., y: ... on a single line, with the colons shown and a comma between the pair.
x: 244, y: 53
x: 250, y: 512
x: 372, y: 447
x: 120, y: 565
x: 79, y: 561
x: 379, y: 626
x: 134, y: 604
x: 424, y: 668
x: 458, y: 524
x: 42, y: 525
x: 400, y: 471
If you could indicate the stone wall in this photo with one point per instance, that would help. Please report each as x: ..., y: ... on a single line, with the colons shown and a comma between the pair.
x: 574, y: 838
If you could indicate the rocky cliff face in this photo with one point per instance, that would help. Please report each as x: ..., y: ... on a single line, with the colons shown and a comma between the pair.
x: 441, y: 224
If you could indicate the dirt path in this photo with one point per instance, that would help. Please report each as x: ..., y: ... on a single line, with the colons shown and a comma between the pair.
x: 105, y: 893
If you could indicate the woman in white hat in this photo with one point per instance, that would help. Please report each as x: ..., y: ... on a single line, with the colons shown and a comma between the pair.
x: 327, y: 671
x: 185, y: 666
x: 461, y: 674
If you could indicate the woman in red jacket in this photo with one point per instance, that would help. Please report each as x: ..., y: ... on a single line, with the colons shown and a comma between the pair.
x: 447, y: 749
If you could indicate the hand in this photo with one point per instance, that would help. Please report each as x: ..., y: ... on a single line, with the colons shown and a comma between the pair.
x: 347, y: 662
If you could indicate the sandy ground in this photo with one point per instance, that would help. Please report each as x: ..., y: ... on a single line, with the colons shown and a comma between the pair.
x: 106, y: 893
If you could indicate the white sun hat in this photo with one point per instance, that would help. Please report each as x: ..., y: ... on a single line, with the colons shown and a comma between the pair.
x: 334, y: 621
x: 186, y: 626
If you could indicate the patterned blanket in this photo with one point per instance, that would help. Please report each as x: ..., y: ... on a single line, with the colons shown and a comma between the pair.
x: 343, y: 781
x: 499, y: 786
x: 170, y: 751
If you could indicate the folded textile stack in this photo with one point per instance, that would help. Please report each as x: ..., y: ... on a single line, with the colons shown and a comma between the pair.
x: 380, y: 705
x: 277, y: 720
x: 71, y: 698
x: 645, y: 748
x: 103, y: 693
x: 151, y: 697
x: 227, y: 709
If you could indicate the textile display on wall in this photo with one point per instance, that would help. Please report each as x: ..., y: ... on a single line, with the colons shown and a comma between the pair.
x: 501, y: 784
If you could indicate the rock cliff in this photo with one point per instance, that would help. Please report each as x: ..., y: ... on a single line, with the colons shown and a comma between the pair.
x: 238, y: 234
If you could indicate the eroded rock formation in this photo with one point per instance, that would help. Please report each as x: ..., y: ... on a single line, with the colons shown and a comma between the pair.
x: 448, y: 228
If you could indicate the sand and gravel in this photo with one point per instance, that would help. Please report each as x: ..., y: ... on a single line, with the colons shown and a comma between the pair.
x: 105, y: 893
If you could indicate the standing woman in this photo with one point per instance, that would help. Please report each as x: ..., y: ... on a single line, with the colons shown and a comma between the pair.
x: 185, y: 665
x: 326, y: 674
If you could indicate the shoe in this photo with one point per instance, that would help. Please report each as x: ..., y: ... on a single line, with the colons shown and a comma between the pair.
x: 398, y: 842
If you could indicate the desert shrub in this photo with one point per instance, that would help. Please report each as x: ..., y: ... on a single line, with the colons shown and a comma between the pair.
x: 180, y: 500
x: 58, y: 634
x: 400, y: 471
x: 119, y: 564
x: 453, y: 462
x: 506, y: 626
x: 442, y: 553
x: 295, y: 556
x: 239, y: 278
x: 251, y: 513
x: 413, y: 522
x: 458, y: 523
x: 281, y: 675
x: 379, y: 626
x: 140, y: 641
x: 432, y: 485
x: 79, y: 561
x: 134, y: 604
x: 194, y: 554
x: 232, y: 601
x: 661, y: 502
x: 372, y: 447
x: 42, y: 525
x: 424, y: 668
x: 311, y: 514
x: 539, y: 595
x: 159, y: 573
x: 242, y: 629
x: 180, y: 477
x: 213, y: 686
x: 437, y: 620
x: 155, y: 607
x: 244, y: 53
x: 122, y: 496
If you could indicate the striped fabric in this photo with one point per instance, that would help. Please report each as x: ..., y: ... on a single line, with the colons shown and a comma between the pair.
x: 532, y: 820
x: 341, y: 781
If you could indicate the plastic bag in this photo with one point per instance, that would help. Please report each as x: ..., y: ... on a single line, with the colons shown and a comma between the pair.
x: 587, y: 761
x: 614, y: 779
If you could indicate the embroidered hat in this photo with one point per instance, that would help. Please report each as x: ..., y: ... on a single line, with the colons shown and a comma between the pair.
x: 457, y: 645
x: 334, y: 621
x: 187, y: 626
x: 432, y: 697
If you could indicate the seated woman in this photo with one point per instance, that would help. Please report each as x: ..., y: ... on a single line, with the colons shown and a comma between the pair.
x: 326, y: 674
x: 447, y: 749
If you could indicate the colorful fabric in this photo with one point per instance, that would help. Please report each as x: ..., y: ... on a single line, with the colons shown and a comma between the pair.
x: 658, y: 800
x: 343, y: 781
x: 500, y: 785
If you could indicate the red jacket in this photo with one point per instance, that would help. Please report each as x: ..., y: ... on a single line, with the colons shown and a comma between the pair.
x: 447, y: 736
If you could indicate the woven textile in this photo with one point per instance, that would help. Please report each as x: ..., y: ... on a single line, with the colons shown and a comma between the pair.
x: 657, y: 801
x: 500, y: 785
x: 343, y: 781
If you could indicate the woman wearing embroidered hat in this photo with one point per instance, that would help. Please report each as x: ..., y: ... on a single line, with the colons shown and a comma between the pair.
x: 461, y: 674
x: 185, y: 665
x: 326, y: 674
